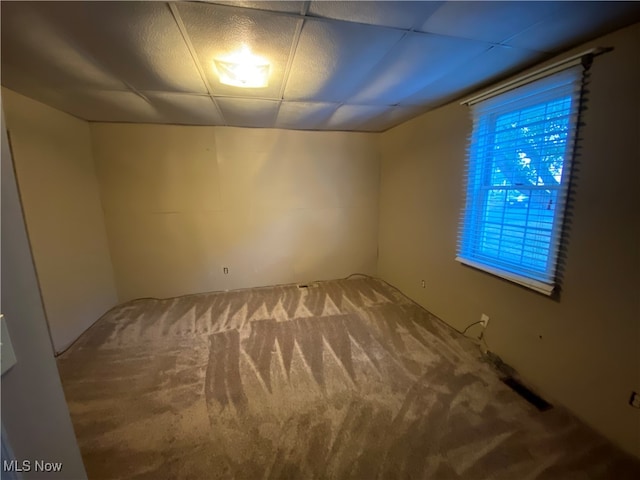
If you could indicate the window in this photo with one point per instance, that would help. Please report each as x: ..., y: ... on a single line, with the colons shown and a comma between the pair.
x: 518, y: 169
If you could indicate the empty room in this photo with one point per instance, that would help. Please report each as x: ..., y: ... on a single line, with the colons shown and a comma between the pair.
x: 320, y: 240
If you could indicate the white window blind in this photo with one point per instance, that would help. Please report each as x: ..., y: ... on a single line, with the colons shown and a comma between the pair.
x: 517, y: 175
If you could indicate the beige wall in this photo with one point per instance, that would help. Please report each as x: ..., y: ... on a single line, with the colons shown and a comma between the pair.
x: 34, y: 413
x: 583, y: 350
x: 59, y: 192
x: 274, y: 206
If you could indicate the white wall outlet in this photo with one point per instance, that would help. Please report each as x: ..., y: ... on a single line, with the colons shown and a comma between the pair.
x: 484, y: 319
x: 634, y: 401
x: 422, y: 284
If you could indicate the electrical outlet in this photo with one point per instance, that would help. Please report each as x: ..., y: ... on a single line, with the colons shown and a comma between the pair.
x: 484, y: 319
x: 225, y: 270
x: 423, y: 284
x: 634, y: 400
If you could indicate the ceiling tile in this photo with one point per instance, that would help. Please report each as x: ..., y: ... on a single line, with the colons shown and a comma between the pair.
x: 416, y: 61
x: 90, y: 105
x: 216, y: 31
x: 101, y: 106
x: 390, y: 117
x: 118, y: 106
x: 304, y: 115
x: 575, y: 23
x: 392, y: 14
x: 487, y: 21
x: 350, y: 117
x: 41, y: 93
x: 47, y: 53
x: 272, y: 6
x: 136, y: 42
x: 19, y: 81
x: 333, y: 58
x: 248, y: 112
x: 142, y: 42
x: 488, y: 67
x: 185, y: 109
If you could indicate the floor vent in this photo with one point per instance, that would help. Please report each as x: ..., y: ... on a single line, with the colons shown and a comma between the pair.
x: 534, y: 399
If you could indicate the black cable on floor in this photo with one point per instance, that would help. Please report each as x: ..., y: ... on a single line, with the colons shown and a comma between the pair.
x: 470, y: 325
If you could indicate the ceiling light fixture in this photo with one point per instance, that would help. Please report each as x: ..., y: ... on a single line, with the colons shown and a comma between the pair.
x: 243, y: 69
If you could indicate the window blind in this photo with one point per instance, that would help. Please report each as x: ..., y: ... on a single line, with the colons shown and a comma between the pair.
x: 517, y: 177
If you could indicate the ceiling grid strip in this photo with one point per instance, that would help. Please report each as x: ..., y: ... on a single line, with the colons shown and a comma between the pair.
x: 187, y: 40
x: 287, y: 70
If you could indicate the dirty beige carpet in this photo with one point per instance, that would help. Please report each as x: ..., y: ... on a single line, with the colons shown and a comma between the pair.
x: 346, y: 379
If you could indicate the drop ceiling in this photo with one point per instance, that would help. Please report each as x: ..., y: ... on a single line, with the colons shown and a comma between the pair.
x: 355, y: 66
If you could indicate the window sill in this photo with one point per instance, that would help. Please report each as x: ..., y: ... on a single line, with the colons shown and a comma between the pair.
x: 538, y: 286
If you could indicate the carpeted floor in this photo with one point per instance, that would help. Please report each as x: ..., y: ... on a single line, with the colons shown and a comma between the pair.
x: 344, y: 379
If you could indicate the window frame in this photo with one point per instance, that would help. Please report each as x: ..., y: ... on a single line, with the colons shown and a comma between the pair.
x: 480, y: 167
